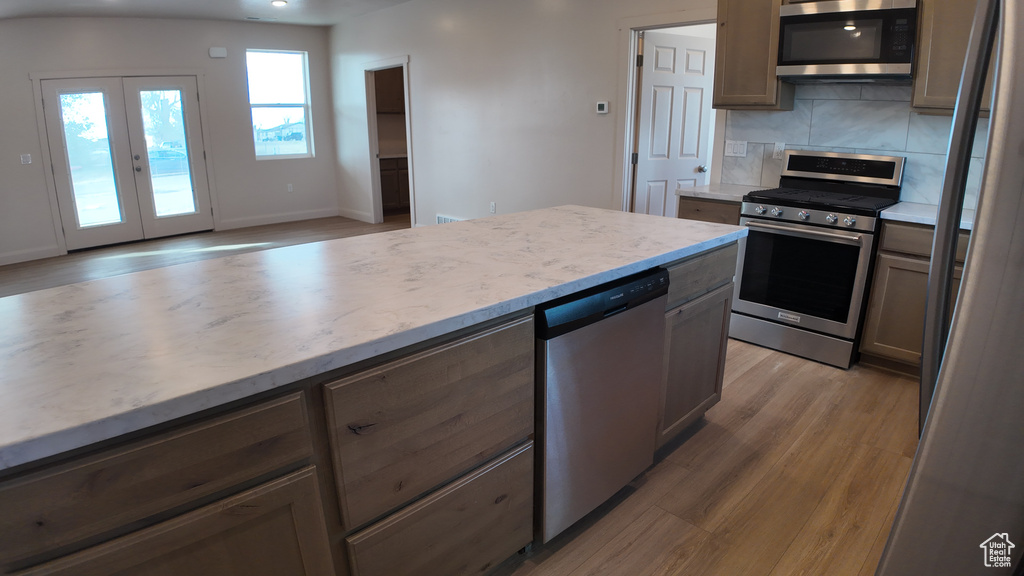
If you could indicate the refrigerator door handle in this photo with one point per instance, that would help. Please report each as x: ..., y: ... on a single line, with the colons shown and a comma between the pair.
x: 940, y: 273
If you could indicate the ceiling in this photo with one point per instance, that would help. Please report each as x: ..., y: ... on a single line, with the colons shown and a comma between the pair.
x: 309, y: 12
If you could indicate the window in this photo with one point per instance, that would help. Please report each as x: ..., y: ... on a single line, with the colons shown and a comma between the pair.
x: 279, y: 99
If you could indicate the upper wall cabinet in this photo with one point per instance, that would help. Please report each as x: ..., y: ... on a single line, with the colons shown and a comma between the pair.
x: 943, y: 31
x: 746, y: 55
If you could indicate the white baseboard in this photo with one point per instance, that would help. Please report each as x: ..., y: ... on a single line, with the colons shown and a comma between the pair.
x: 356, y: 215
x: 232, y: 223
x: 30, y: 254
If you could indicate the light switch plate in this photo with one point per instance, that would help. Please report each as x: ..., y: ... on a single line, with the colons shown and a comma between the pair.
x: 780, y: 150
x: 737, y: 148
x: 26, y: 158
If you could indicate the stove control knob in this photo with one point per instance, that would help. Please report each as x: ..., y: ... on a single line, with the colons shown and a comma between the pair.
x: 804, y: 215
x: 850, y: 221
x: 831, y: 218
x: 776, y: 211
x: 760, y: 210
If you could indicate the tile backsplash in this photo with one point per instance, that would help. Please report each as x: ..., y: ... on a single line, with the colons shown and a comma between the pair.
x: 859, y: 118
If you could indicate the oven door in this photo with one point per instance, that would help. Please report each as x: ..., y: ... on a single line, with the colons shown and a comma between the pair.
x: 803, y: 276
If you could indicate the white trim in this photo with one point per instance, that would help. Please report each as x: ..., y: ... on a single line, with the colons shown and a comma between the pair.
x: 357, y: 215
x: 30, y: 254
x: 376, y: 200
x: 277, y: 218
x: 629, y: 29
x: 393, y: 62
x: 371, y: 122
x: 51, y: 182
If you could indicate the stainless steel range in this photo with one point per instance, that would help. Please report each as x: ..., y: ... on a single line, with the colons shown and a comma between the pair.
x: 804, y: 268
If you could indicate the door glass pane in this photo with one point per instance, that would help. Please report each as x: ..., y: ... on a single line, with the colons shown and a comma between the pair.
x: 93, y: 186
x: 169, y: 173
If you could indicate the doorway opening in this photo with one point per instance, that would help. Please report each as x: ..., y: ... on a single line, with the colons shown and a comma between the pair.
x: 670, y: 122
x: 387, y: 99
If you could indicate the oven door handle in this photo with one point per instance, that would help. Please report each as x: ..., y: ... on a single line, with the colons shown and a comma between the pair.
x: 853, y: 240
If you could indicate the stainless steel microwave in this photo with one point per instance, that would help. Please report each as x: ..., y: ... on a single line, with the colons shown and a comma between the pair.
x: 851, y: 40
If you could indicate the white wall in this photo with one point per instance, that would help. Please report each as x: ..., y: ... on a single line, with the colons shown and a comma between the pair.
x: 246, y: 191
x: 502, y: 100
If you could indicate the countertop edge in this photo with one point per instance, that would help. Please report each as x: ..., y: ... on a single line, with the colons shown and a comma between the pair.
x: 160, y: 413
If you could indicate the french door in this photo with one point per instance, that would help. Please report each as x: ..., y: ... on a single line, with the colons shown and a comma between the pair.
x: 127, y: 156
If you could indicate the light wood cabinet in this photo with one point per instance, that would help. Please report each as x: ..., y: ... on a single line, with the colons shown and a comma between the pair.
x: 894, y: 324
x: 406, y: 428
x: 746, y: 54
x: 466, y: 528
x: 696, y: 332
x: 695, y: 341
x: 944, y: 27
x: 717, y: 211
x: 276, y: 528
x: 106, y: 494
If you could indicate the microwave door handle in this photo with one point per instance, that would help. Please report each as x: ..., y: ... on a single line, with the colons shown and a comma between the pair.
x: 854, y: 240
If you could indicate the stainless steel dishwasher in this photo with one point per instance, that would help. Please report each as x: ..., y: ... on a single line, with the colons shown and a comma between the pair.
x: 599, y: 366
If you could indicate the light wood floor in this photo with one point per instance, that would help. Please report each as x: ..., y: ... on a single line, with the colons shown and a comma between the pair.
x: 145, y: 255
x: 798, y: 470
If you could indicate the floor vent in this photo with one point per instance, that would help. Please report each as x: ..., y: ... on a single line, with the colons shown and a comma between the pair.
x: 447, y: 219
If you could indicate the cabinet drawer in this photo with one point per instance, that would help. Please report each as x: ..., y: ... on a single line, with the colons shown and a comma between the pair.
x: 700, y: 274
x: 465, y: 528
x: 93, y: 495
x: 917, y: 239
x: 388, y: 164
x: 276, y: 528
x: 409, y: 426
x: 709, y: 211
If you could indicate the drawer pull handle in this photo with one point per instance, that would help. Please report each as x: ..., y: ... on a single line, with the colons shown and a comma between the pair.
x: 361, y: 429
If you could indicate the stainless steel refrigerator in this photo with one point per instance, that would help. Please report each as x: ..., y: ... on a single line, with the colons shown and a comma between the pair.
x: 962, y: 511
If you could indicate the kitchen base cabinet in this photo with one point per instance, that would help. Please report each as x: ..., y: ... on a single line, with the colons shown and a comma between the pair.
x: 695, y: 341
x: 467, y: 527
x: 894, y: 323
x: 407, y: 427
x: 75, y: 504
x: 696, y: 332
x: 716, y: 211
x: 271, y: 530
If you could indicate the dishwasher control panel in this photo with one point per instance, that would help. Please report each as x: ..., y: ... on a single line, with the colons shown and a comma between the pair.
x: 577, y: 310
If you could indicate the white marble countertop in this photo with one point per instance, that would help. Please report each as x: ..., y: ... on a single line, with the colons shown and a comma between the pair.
x: 91, y: 361
x: 914, y: 213
x: 721, y: 192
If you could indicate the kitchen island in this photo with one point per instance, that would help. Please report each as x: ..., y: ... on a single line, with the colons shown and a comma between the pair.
x: 93, y: 372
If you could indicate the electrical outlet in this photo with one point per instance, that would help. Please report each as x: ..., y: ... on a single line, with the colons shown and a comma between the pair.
x: 290, y: 188
x: 493, y: 209
x: 26, y: 158
x: 736, y: 148
x: 780, y: 150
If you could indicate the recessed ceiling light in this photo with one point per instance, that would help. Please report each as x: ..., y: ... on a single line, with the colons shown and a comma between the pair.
x: 279, y: 3
x: 848, y: 27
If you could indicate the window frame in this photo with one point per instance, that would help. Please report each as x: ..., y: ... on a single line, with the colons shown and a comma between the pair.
x: 306, y: 106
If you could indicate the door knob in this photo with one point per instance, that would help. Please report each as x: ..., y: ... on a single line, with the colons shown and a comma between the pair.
x: 137, y: 157
x: 702, y: 168
x: 138, y: 168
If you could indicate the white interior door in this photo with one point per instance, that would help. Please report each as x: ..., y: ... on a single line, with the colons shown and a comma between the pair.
x: 675, y: 119
x: 127, y: 158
